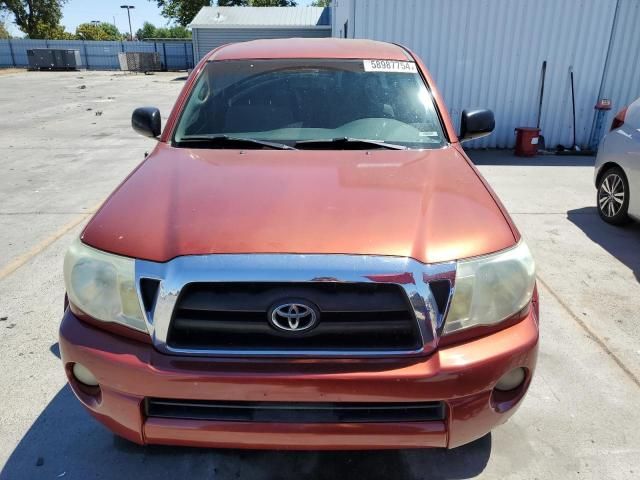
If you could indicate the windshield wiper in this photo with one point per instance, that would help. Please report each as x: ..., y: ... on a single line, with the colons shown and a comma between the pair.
x: 226, y: 140
x: 348, y: 144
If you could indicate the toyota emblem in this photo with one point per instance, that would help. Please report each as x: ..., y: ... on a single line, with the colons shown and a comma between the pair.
x: 293, y: 317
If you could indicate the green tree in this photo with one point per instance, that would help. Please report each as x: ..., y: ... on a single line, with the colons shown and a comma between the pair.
x: 233, y: 3
x: 4, y: 33
x: 89, y: 31
x: 321, y: 3
x: 111, y: 30
x: 148, y: 30
x: 100, y: 31
x: 36, y: 18
x: 53, y: 32
x: 178, y: 31
x: 182, y: 11
x: 151, y: 31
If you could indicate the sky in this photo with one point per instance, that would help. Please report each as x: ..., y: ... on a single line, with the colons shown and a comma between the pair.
x: 75, y: 12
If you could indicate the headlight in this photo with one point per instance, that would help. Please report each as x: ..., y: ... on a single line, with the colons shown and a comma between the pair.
x: 491, y: 289
x: 102, y: 285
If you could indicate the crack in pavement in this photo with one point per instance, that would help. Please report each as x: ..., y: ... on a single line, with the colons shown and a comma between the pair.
x: 601, y: 343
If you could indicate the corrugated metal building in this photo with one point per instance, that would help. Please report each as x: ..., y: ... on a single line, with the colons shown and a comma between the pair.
x: 489, y: 53
x: 215, y: 26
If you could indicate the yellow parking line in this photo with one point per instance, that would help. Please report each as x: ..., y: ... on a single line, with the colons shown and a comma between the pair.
x: 41, y: 246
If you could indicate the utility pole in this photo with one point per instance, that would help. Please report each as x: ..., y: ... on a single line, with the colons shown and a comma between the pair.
x: 129, y: 8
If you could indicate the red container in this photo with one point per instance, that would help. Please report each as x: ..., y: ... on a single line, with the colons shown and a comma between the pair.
x: 527, y: 141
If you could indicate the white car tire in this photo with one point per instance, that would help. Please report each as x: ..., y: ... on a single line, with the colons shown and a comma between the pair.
x: 612, y: 200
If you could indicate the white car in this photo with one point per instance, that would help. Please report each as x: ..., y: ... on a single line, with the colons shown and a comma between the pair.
x: 617, y: 169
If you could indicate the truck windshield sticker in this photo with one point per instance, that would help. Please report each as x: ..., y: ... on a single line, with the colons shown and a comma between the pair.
x: 392, y: 66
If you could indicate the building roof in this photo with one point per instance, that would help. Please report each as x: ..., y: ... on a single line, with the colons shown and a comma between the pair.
x: 310, y: 48
x: 262, y: 17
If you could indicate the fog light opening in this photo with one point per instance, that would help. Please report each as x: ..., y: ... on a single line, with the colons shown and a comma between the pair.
x: 511, y: 380
x: 84, y: 376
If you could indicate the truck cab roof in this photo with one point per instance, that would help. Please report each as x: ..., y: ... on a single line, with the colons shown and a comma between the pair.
x: 310, y: 48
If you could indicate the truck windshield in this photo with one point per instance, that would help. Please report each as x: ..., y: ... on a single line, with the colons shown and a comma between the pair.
x: 338, y: 103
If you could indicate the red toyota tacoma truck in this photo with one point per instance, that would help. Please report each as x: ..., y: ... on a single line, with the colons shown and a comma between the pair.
x: 306, y: 260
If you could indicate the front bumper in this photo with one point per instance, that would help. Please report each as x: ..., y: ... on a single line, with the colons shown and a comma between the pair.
x: 462, y: 375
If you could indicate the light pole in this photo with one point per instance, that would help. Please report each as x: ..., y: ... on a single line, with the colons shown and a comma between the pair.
x: 129, y: 7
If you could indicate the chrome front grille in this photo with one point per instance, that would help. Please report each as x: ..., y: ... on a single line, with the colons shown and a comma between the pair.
x: 352, y: 317
x: 220, y: 305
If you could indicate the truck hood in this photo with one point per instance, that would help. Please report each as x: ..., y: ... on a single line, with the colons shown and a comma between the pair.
x: 430, y: 205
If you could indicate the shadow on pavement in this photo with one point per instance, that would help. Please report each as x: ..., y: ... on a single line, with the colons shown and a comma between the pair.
x: 66, y: 442
x: 621, y: 242
x: 506, y: 157
x: 55, y: 349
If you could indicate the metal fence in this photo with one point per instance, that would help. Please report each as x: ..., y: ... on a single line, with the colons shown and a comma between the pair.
x: 175, y: 55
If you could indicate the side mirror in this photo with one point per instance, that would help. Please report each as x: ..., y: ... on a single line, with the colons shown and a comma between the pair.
x: 476, y: 123
x: 146, y: 121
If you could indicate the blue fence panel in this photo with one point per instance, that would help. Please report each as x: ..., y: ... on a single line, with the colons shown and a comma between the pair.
x: 99, y: 55
x: 6, y: 58
x: 20, y: 47
x: 139, y: 47
x: 175, y: 54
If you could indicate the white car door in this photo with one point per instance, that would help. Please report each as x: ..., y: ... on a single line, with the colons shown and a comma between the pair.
x: 631, y: 156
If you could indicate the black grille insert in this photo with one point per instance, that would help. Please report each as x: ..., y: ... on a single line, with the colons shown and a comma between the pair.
x: 300, y: 412
x: 234, y: 316
x: 441, y: 290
